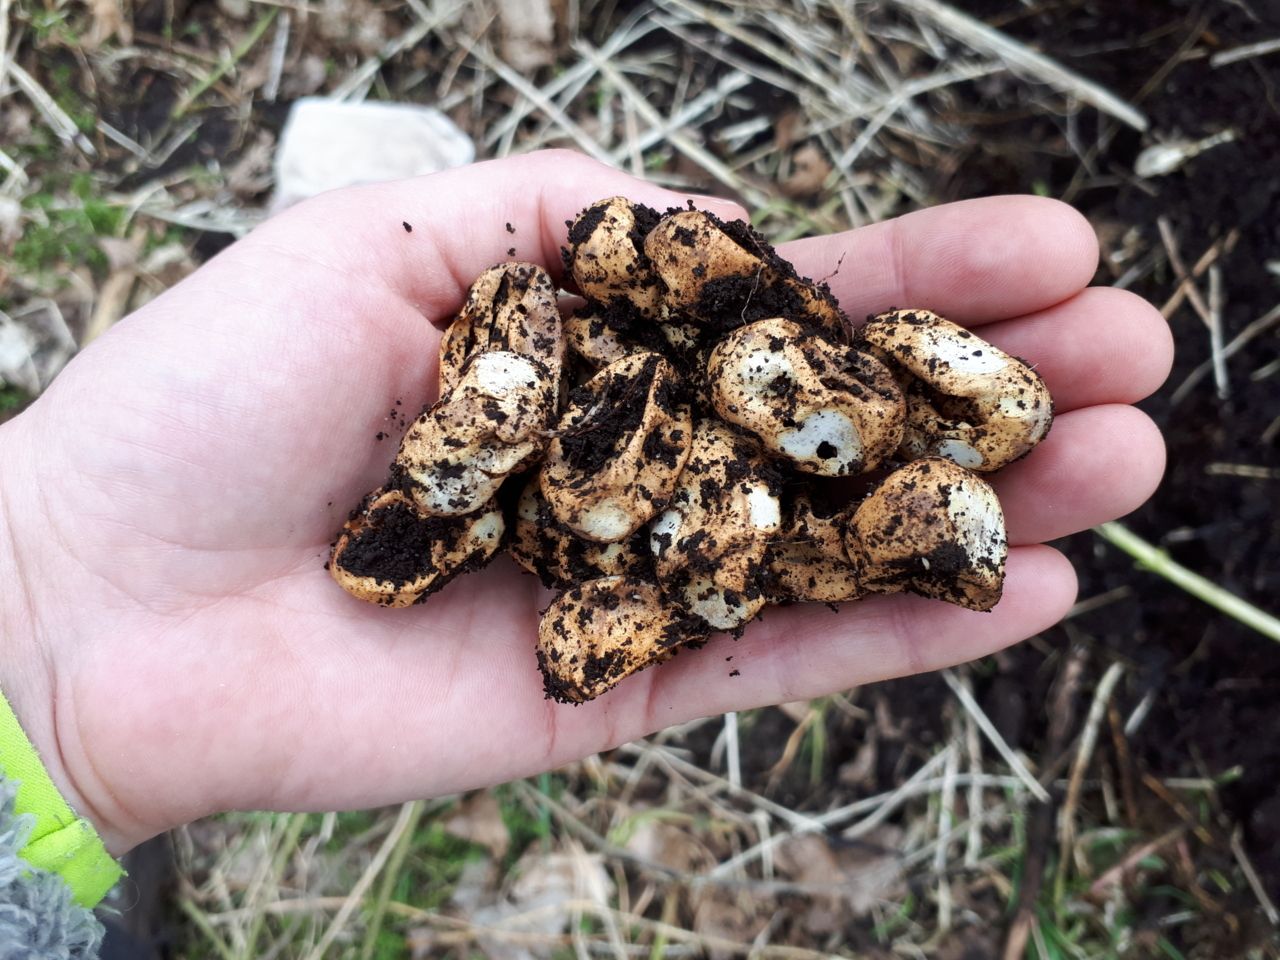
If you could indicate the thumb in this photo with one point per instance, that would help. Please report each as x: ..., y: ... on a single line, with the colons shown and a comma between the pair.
x: 428, y: 238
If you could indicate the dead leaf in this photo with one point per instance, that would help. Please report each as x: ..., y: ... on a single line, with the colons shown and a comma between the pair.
x: 303, y: 78
x: 726, y: 916
x: 476, y: 886
x: 906, y: 57
x: 842, y: 879
x: 668, y: 845
x: 786, y: 128
x: 859, y: 771
x: 537, y: 901
x: 969, y: 944
x: 111, y: 304
x: 423, y: 943
x: 360, y: 25
x: 35, y: 344
x: 15, y: 122
x: 809, y: 171
x: 528, y: 32
x: 478, y: 819
x: 121, y: 252
x: 250, y: 175
x: 796, y: 710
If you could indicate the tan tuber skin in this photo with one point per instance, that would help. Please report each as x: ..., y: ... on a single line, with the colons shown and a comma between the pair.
x: 967, y: 400
x: 511, y: 306
x: 627, y: 456
x: 710, y: 543
x: 932, y: 528
x: 826, y: 408
x: 599, y: 632
x: 448, y: 547
x: 630, y: 475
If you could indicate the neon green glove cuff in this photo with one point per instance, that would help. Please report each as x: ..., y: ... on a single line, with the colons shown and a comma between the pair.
x: 61, y: 842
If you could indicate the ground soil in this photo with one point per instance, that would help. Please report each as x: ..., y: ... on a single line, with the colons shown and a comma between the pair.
x: 1211, y: 684
x: 1216, y: 683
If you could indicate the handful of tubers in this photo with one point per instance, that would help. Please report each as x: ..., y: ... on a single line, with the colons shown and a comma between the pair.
x: 704, y: 436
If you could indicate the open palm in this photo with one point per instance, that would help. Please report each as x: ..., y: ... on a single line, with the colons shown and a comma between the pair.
x: 171, y: 500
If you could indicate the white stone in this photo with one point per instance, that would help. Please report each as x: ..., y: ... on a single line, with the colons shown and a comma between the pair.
x: 327, y: 144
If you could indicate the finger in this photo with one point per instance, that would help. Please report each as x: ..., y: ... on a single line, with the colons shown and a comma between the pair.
x: 806, y: 651
x: 451, y: 712
x: 972, y: 261
x: 1096, y: 464
x: 463, y: 221
x: 1101, y: 346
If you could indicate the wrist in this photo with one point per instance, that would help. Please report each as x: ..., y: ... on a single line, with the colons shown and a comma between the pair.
x: 28, y: 653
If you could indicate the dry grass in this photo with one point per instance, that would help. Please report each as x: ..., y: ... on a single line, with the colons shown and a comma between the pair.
x: 867, y: 824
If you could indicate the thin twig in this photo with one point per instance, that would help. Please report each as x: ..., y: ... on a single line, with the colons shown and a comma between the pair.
x: 1084, y: 754
x: 946, y: 820
x: 1255, y: 883
x: 1222, y: 245
x: 715, y: 97
x: 973, y: 746
x: 1254, y: 329
x: 732, y: 750
x: 542, y: 102
x: 1039, y: 823
x: 993, y: 735
x: 63, y: 127
x: 1236, y: 54
x: 668, y: 759
x: 1117, y: 873
x: 1215, y: 333
x: 881, y: 805
x: 1248, y: 470
x: 503, y: 929
x: 226, y: 65
x: 5, y: 6
x: 1170, y: 242
x: 682, y: 142
x: 357, y: 79
x: 409, y: 813
x: 994, y: 43
x: 279, y: 48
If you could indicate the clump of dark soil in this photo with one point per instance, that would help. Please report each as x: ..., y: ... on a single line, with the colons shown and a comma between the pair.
x: 1214, y: 682
x: 614, y: 414
x: 396, y: 544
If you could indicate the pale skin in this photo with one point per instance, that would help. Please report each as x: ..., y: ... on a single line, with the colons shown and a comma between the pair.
x: 173, y: 645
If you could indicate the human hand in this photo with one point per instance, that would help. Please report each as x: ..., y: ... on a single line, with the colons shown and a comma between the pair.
x: 174, y: 646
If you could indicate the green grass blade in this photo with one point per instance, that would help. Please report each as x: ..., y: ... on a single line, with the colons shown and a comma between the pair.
x: 1157, y: 561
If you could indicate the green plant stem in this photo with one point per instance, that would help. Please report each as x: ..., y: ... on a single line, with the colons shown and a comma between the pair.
x: 202, y: 923
x: 293, y: 824
x: 221, y: 70
x: 389, y: 879
x: 1157, y: 561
